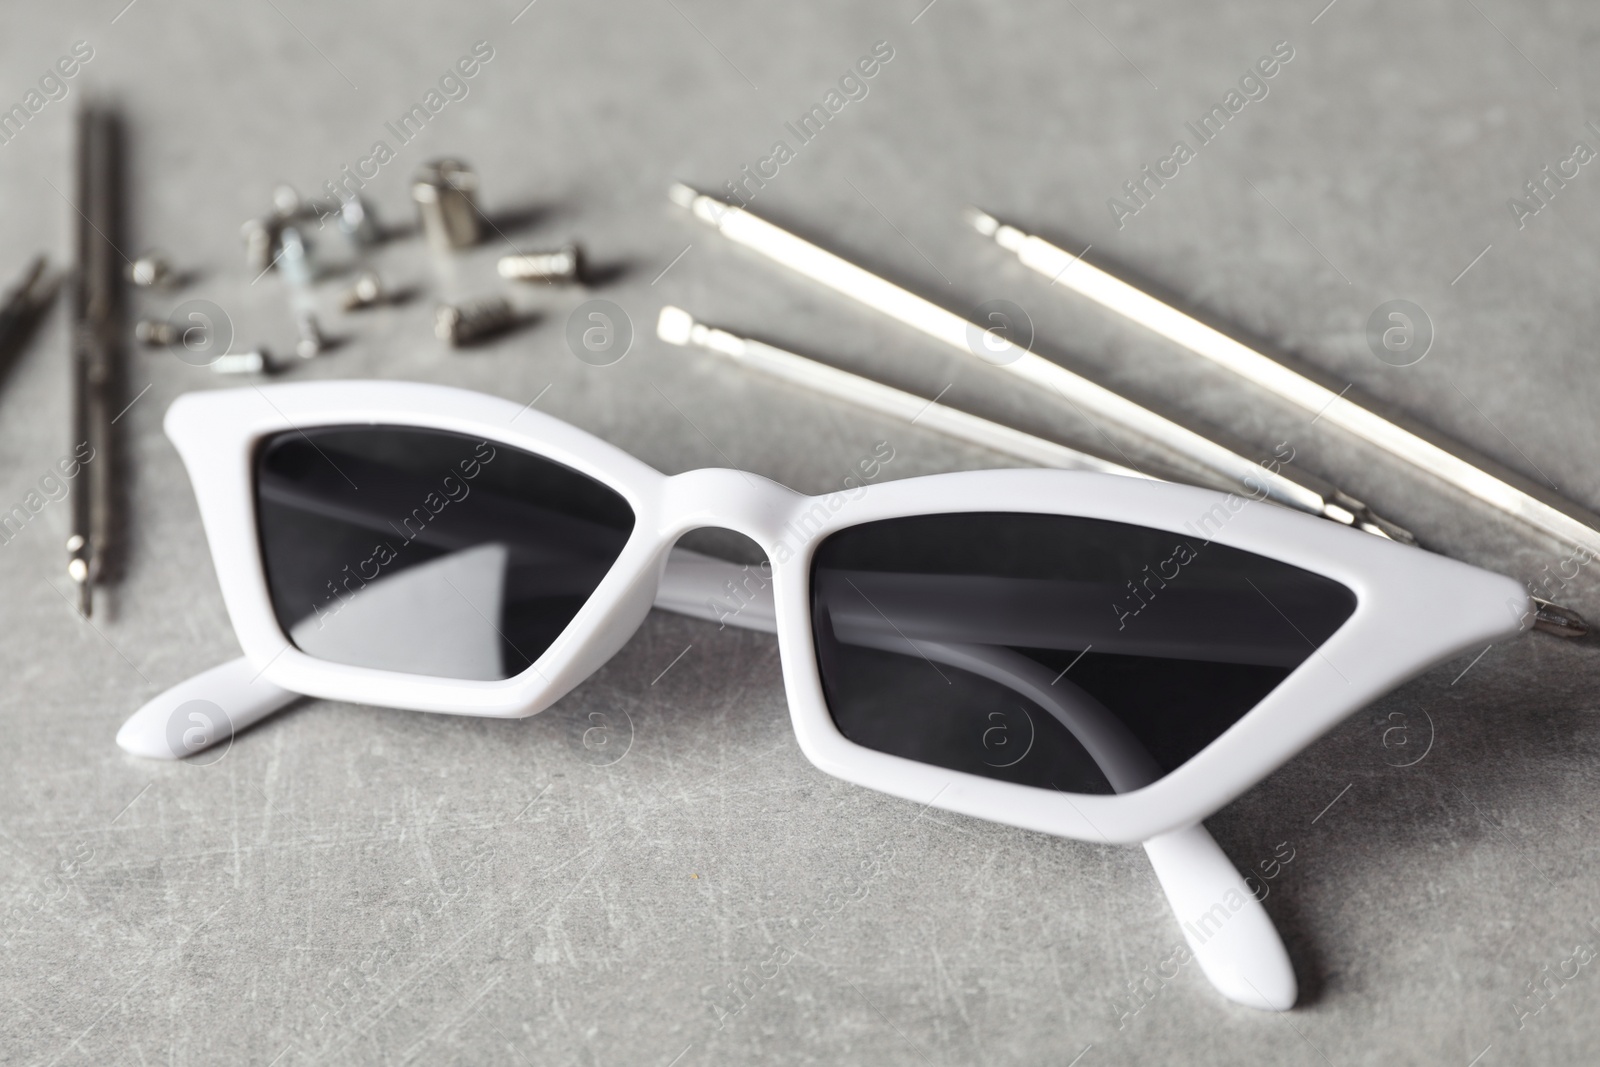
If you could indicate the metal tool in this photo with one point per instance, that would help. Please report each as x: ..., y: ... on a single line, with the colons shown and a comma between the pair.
x: 473, y: 320
x: 1282, y: 484
x: 1434, y: 455
x: 22, y: 298
x: 20, y: 308
x: 676, y: 326
x: 563, y: 266
x: 96, y: 370
x: 446, y: 194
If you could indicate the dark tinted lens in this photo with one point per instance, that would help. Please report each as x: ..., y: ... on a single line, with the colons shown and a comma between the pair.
x: 1053, y: 651
x: 428, y: 552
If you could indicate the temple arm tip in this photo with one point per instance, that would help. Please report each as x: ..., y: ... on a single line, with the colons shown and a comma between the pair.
x: 144, y: 734
x: 1226, y: 927
x: 202, y: 711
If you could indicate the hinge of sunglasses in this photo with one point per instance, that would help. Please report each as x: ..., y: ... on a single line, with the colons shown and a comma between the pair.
x: 1554, y: 619
x: 1346, y: 510
x: 1342, y: 507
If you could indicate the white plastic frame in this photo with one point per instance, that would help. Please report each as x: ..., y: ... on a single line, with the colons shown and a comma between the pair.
x: 1414, y: 609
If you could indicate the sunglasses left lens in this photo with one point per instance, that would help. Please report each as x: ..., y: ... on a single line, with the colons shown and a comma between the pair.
x: 428, y: 552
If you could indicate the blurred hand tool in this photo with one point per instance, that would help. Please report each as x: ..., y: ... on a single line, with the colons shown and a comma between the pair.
x: 20, y: 309
x: 96, y: 369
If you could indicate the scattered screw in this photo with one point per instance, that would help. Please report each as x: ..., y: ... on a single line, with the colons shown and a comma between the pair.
x: 260, y: 237
x: 446, y: 194
x: 367, y: 292
x: 150, y: 271
x: 474, y: 320
x: 155, y: 333
x: 310, y: 344
x: 257, y: 361
x: 564, y: 265
x: 294, y: 261
x: 357, y: 222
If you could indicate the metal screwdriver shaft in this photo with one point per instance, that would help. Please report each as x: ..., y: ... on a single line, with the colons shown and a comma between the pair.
x: 1543, y: 511
x: 676, y: 326
x: 96, y: 302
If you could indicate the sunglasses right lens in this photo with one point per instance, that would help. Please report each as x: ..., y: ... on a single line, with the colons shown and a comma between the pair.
x: 1055, y: 651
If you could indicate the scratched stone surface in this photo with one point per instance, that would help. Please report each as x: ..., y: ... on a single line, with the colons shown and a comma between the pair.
x: 347, y: 884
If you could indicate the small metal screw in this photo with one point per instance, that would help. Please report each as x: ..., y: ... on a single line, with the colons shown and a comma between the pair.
x: 150, y: 271
x: 295, y: 261
x: 564, y: 265
x: 155, y: 333
x: 260, y: 238
x: 357, y: 221
x: 367, y: 292
x: 310, y: 344
x: 257, y: 361
x: 474, y: 320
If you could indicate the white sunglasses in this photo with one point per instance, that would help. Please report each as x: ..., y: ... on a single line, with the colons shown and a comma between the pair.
x: 1097, y: 657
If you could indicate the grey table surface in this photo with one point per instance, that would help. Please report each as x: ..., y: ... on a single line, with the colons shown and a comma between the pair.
x: 356, y: 885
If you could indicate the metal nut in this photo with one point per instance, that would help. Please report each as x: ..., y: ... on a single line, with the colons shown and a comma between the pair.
x: 446, y: 194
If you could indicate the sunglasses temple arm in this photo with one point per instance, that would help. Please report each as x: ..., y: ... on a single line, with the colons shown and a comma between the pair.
x: 729, y: 594
x: 1227, y: 929
x: 203, y: 711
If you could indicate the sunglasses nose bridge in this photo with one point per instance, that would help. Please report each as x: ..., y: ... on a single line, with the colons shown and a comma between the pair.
x: 726, y: 499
